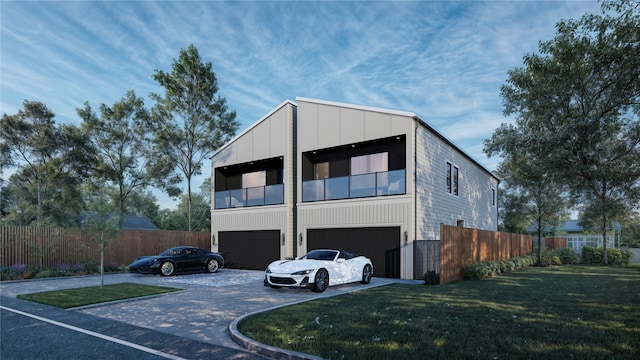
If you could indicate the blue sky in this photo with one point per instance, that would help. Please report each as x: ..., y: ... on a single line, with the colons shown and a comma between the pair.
x: 443, y: 60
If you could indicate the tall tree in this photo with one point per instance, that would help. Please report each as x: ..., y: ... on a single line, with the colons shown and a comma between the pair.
x: 52, y: 161
x: 191, y: 120
x: 579, y: 98
x: 536, y: 195
x: 122, y: 138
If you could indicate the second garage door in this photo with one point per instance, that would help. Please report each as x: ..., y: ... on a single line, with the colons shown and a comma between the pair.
x: 251, y: 250
x: 380, y: 244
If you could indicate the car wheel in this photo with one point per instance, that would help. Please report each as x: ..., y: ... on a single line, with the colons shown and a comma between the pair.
x: 321, y: 282
x: 212, y: 265
x: 367, y: 272
x: 167, y: 268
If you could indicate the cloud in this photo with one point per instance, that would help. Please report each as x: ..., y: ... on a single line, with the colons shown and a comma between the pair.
x: 444, y: 61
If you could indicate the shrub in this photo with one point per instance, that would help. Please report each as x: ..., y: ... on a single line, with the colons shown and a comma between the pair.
x: 567, y: 256
x: 490, y: 268
x: 432, y: 278
x: 614, y: 256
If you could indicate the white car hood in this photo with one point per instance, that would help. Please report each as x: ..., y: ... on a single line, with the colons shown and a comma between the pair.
x: 291, y: 266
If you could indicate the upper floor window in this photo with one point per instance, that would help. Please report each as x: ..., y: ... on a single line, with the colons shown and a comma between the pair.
x: 369, y: 164
x: 448, y: 180
x: 367, y: 169
x: 452, y: 176
x: 254, y: 179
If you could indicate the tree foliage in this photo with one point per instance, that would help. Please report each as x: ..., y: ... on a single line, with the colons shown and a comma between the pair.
x: 578, y: 102
x: 191, y: 121
x: 51, y: 160
x: 123, y: 141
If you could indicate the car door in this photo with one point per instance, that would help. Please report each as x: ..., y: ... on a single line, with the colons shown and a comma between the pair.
x: 185, y: 260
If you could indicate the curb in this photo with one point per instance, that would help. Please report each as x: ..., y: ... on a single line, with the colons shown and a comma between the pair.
x: 263, y: 349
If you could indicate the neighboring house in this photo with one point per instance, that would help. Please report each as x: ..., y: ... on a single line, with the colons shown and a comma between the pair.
x: 314, y: 174
x: 576, y: 236
x: 133, y: 222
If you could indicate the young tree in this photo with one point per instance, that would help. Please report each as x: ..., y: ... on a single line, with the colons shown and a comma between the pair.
x: 122, y: 138
x: 52, y: 161
x: 102, y: 222
x: 191, y: 120
x: 579, y: 98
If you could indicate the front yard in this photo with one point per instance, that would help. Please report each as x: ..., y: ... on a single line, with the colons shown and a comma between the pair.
x: 581, y: 312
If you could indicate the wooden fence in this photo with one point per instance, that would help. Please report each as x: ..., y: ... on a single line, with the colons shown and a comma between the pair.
x: 50, y: 247
x: 460, y: 247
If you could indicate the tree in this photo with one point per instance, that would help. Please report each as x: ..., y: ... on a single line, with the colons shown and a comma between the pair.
x: 534, y: 194
x: 201, y: 214
x: 191, y: 121
x: 52, y: 161
x: 122, y: 138
x: 579, y: 98
x: 102, y: 223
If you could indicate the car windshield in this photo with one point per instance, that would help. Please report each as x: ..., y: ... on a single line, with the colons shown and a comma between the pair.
x: 321, y: 255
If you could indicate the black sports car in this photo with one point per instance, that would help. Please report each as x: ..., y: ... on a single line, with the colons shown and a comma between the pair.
x: 179, y: 258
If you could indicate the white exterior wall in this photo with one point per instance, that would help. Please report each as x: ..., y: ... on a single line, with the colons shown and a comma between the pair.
x: 270, y: 137
x: 324, y: 125
x: 434, y: 205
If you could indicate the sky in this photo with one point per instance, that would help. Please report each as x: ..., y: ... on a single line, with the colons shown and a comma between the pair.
x: 442, y: 60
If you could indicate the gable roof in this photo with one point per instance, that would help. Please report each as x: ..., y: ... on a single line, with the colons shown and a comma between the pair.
x: 138, y: 223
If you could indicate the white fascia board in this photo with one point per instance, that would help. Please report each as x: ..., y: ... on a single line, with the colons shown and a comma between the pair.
x: 252, y: 126
x: 358, y: 107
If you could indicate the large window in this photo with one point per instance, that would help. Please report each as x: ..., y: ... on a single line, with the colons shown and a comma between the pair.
x: 250, y: 184
x: 254, y: 179
x: 369, y: 164
x: 367, y: 169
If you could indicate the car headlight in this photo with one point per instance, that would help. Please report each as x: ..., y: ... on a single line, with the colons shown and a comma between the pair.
x: 303, y: 272
x: 268, y: 271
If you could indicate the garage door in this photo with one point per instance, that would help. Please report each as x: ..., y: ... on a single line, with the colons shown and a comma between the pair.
x: 380, y: 244
x: 251, y: 250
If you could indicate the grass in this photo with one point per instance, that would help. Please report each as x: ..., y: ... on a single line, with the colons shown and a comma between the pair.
x: 583, y: 312
x: 70, y: 298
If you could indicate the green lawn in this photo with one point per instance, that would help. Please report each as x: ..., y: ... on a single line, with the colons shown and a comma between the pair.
x: 69, y: 298
x: 558, y: 312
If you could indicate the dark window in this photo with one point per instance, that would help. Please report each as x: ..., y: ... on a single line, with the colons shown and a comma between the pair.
x: 455, y: 180
x: 449, y: 177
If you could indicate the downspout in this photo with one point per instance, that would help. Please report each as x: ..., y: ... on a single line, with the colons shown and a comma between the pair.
x: 415, y: 191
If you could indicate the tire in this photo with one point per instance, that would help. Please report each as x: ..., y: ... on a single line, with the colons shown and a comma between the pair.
x: 167, y: 268
x: 212, y: 265
x: 367, y: 273
x: 321, y: 281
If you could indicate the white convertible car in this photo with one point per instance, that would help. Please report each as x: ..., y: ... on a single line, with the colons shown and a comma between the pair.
x: 319, y: 269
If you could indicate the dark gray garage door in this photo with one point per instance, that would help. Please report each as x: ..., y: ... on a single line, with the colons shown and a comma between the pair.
x: 251, y: 250
x: 380, y: 244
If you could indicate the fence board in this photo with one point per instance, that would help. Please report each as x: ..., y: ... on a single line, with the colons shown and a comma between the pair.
x: 50, y: 247
x: 460, y: 247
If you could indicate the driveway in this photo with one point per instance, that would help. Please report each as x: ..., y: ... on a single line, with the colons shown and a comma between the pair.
x: 202, y: 312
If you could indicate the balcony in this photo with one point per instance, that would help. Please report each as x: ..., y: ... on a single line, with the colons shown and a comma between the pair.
x: 247, y: 197
x: 355, y: 186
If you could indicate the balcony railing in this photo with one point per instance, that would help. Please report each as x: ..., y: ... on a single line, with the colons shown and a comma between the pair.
x: 255, y: 196
x: 355, y: 186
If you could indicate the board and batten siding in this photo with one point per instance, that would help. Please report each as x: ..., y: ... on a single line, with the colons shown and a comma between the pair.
x: 434, y: 205
x: 270, y: 137
x: 324, y: 124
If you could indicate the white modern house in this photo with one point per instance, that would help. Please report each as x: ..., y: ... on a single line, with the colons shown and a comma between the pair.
x: 319, y: 174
